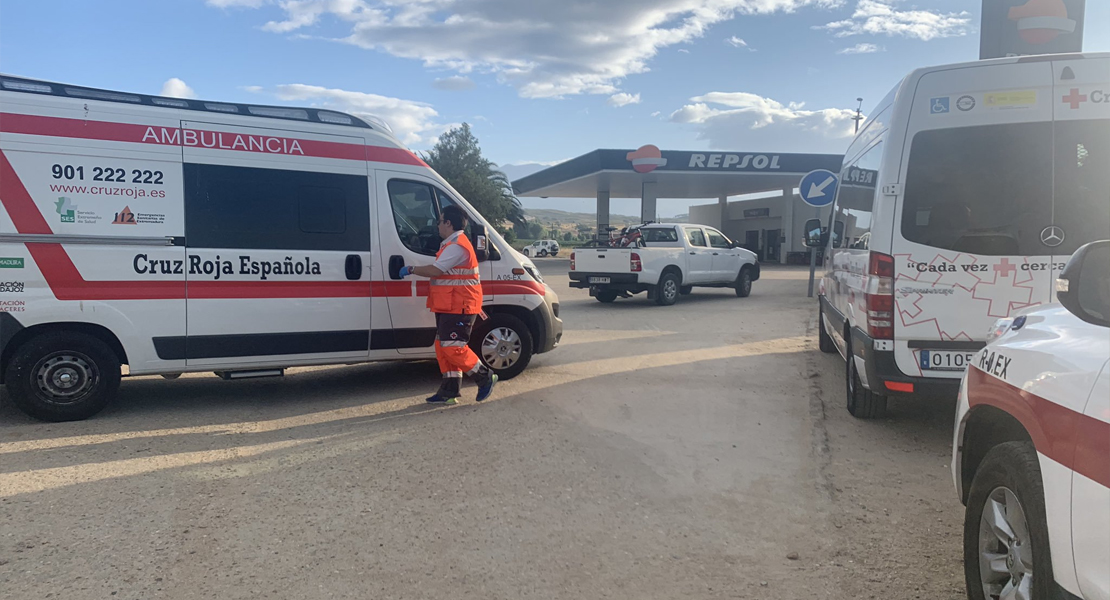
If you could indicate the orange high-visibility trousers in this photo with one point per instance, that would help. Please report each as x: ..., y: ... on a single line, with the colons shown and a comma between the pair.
x: 452, y: 350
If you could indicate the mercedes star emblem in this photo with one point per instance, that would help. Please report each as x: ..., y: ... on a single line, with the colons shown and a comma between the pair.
x: 1052, y: 236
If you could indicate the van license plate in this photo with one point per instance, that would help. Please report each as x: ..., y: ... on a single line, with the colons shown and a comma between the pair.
x: 945, y: 360
x: 599, y: 280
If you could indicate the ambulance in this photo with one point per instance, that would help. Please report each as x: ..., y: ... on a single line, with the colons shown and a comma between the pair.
x: 1031, y: 445
x: 961, y: 198
x: 177, y: 235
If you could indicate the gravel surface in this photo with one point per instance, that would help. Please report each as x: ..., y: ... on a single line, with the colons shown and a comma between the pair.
x: 694, y: 451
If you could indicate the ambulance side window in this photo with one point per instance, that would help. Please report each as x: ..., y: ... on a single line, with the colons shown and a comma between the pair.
x: 445, y: 200
x: 415, y: 215
x: 274, y: 209
x: 856, y: 200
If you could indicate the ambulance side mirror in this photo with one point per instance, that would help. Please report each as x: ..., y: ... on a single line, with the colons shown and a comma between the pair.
x: 1084, y: 285
x: 480, y: 241
x: 816, y: 236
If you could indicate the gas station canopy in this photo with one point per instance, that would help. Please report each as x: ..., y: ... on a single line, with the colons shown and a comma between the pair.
x: 671, y: 174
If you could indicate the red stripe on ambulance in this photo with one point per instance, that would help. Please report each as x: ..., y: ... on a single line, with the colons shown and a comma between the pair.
x: 1073, y: 439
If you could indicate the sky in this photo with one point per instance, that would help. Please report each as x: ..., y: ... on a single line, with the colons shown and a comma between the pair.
x: 540, y: 81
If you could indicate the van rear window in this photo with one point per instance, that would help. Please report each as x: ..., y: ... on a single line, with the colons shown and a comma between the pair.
x: 981, y: 190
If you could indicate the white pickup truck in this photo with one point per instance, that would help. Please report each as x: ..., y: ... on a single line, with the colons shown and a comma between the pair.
x: 668, y: 260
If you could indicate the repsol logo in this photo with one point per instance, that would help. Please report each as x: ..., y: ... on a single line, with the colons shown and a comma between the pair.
x: 758, y: 162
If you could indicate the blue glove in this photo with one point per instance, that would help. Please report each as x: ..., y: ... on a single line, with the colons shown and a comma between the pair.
x: 406, y: 271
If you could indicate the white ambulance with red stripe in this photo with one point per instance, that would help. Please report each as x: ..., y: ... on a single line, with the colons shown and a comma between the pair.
x: 174, y: 235
x: 1031, y: 451
x: 961, y: 198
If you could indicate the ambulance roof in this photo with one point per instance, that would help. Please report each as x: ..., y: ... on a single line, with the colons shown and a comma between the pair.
x: 291, y: 113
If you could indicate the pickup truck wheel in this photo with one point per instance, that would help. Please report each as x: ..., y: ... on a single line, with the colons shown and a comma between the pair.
x: 606, y: 296
x: 63, y: 376
x: 686, y: 290
x: 1006, y: 552
x: 503, y: 343
x: 862, y: 403
x: 744, y: 283
x: 666, y: 293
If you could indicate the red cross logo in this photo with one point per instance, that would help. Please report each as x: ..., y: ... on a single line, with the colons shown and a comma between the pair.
x: 1075, y: 98
x: 1005, y: 268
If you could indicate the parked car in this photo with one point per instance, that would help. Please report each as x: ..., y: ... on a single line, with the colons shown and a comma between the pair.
x: 1031, y: 447
x: 959, y: 203
x: 541, y: 248
x: 177, y: 235
x: 668, y: 260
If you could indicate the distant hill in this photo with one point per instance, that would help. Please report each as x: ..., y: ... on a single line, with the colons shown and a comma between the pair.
x: 549, y: 216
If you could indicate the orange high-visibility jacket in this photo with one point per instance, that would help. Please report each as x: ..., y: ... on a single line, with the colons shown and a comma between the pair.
x: 459, y: 290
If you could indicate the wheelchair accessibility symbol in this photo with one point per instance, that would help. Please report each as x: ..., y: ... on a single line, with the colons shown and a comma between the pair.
x: 938, y: 105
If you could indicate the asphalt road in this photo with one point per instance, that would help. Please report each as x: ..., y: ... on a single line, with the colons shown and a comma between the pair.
x: 694, y: 451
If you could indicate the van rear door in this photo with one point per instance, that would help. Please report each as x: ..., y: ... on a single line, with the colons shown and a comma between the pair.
x: 1081, y: 182
x: 977, y: 195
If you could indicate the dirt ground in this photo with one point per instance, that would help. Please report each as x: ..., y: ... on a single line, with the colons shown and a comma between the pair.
x: 694, y: 451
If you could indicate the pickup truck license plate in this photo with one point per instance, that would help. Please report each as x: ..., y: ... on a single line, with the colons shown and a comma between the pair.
x: 945, y: 360
x: 599, y: 280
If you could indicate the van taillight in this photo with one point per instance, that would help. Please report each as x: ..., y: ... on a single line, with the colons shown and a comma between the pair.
x: 880, y: 296
x: 571, y: 261
x: 637, y: 264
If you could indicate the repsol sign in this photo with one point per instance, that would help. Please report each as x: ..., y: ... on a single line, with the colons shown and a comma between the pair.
x: 739, y: 162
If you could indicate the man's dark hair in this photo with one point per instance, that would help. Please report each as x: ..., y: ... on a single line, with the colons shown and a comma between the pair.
x: 455, y: 216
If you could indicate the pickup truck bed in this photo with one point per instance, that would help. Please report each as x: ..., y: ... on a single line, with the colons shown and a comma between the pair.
x: 673, y: 260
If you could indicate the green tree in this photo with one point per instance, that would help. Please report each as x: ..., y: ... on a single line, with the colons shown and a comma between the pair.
x: 457, y: 157
x: 535, y: 230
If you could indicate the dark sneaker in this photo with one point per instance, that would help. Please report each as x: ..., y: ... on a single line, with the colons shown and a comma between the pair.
x: 437, y: 399
x: 484, y: 391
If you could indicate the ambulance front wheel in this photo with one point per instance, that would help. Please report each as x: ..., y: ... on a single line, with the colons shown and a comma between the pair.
x: 63, y: 376
x: 503, y: 343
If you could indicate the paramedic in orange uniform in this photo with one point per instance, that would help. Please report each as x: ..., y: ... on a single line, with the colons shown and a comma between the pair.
x: 455, y: 296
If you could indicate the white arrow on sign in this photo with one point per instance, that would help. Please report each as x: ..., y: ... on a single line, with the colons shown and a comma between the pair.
x: 816, y: 191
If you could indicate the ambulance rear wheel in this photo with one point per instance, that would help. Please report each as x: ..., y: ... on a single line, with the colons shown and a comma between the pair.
x: 862, y: 402
x: 63, y: 376
x: 503, y: 343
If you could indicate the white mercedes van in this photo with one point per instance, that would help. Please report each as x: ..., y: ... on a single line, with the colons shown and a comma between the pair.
x: 174, y: 235
x: 961, y: 199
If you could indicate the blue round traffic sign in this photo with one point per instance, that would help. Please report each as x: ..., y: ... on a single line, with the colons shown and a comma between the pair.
x: 818, y: 187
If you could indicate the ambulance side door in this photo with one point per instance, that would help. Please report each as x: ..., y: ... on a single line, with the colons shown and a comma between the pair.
x: 278, y: 247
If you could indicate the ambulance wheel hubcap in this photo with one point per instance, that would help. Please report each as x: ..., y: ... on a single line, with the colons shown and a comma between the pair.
x: 1005, y: 550
x: 501, y: 348
x: 65, y: 377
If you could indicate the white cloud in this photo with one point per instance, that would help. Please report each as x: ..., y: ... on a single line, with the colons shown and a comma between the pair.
x: 736, y: 42
x: 683, y: 51
x: 656, y: 114
x: 455, y: 83
x: 252, y: 88
x: 877, y: 17
x: 739, y: 120
x: 412, y: 122
x: 623, y: 99
x: 542, y: 49
x: 861, y: 49
x: 175, y: 88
